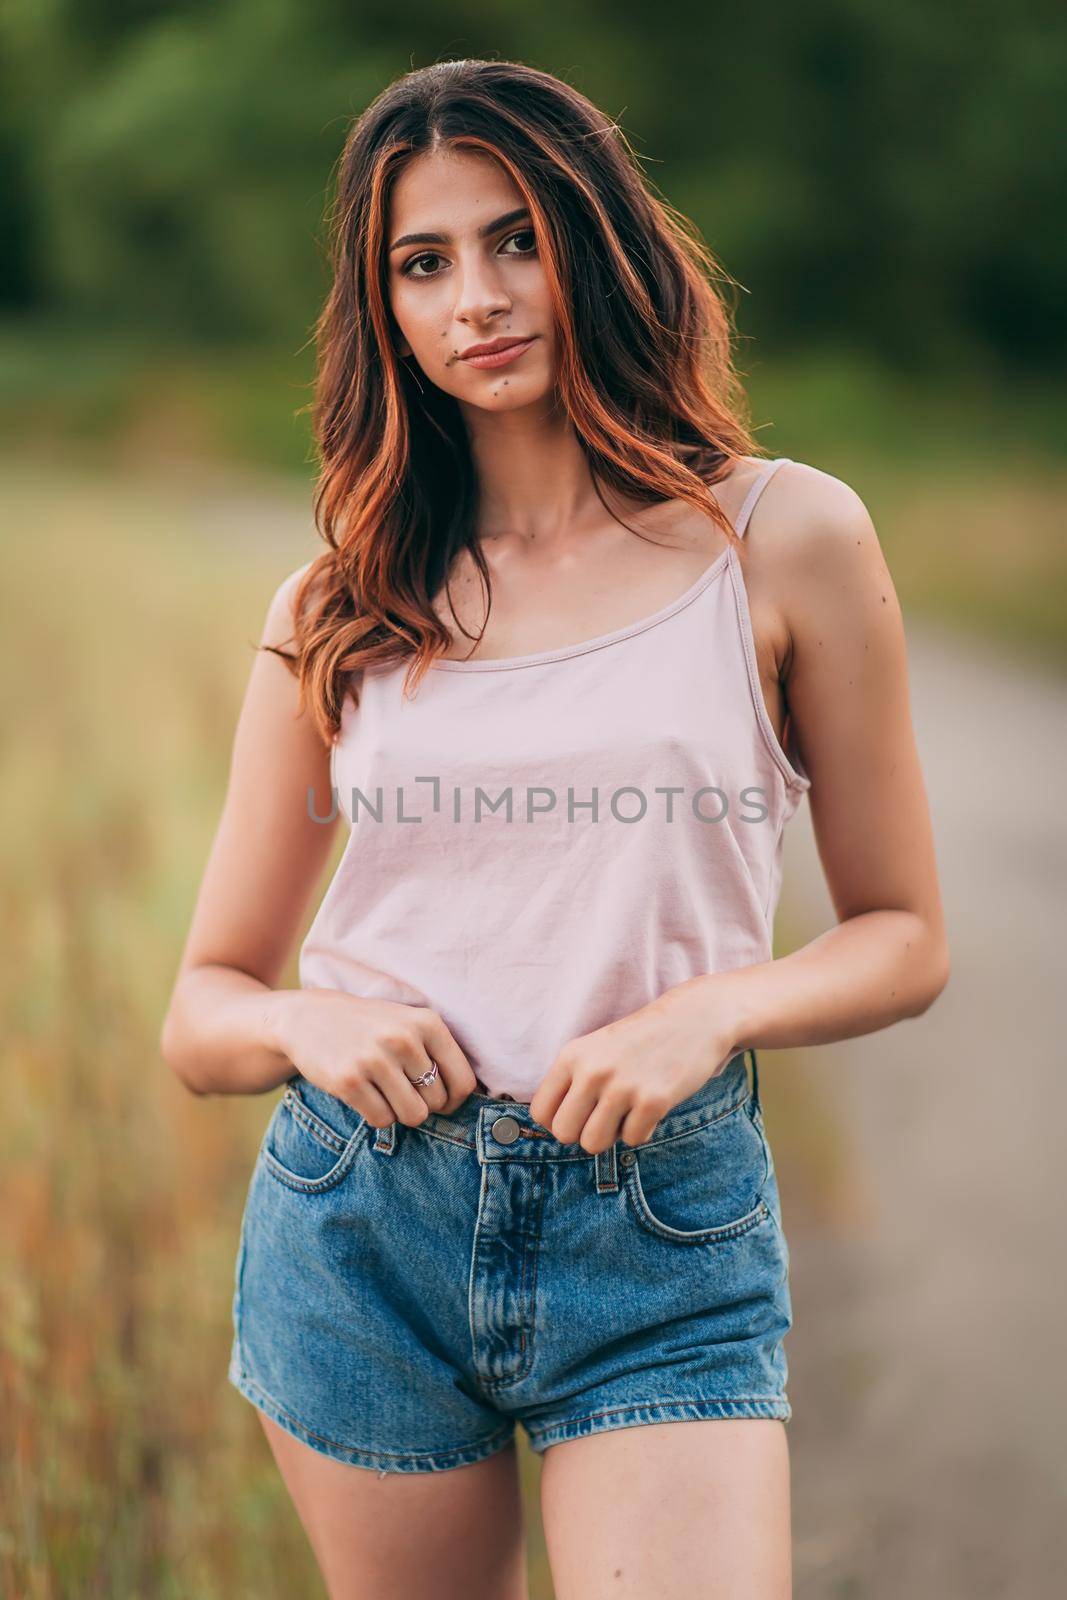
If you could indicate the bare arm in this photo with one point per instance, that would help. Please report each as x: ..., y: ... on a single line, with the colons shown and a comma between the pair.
x: 228, y: 1030
x: 221, y: 1031
x: 847, y: 687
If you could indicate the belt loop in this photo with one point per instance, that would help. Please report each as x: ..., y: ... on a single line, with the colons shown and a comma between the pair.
x: 385, y: 1139
x: 755, y: 1081
x: 607, y: 1171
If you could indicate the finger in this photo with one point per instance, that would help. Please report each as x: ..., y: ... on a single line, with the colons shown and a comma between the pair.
x: 407, y: 1101
x: 435, y: 1093
x: 605, y: 1123
x: 456, y: 1071
x: 641, y: 1123
x: 371, y: 1104
x: 574, y: 1112
x: 551, y: 1093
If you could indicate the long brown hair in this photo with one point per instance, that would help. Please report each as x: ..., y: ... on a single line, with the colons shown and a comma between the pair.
x: 645, y: 367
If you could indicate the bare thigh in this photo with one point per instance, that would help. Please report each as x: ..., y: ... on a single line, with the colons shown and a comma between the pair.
x: 682, y: 1510
x: 408, y: 1535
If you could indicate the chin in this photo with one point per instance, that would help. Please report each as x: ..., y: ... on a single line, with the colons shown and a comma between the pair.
x: 508, y: 392
x: 510, y: 397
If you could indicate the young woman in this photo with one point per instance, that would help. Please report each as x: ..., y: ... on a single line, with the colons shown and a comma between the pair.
x: 518, y: 1172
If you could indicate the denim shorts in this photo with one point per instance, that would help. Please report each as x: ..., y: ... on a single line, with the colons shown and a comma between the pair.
x: 404, y: 1296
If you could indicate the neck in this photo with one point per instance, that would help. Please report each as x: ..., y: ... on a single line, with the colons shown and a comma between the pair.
x: 533, y: 477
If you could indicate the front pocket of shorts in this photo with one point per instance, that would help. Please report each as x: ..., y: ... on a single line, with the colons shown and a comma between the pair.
x: 302, y: 1151
x: 704, y: 1186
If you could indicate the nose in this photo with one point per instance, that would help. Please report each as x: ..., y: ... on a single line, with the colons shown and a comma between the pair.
x: 481, y: 293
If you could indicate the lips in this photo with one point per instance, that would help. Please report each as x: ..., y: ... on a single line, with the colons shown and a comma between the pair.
x: 491, y: 349
x: 500, y: 353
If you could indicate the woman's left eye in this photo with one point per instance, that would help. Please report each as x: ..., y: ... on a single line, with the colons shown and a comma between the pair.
x: 526, y: 233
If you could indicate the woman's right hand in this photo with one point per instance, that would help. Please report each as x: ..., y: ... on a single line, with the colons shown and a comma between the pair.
x: 366, y: 1052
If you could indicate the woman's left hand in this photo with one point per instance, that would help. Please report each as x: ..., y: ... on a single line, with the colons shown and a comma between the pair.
x: 619, y: 1081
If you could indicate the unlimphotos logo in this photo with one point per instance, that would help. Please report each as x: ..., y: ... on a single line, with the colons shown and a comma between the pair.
x: 628, y: 803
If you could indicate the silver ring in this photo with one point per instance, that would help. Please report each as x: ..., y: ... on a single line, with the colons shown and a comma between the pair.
x: 426, y: 1077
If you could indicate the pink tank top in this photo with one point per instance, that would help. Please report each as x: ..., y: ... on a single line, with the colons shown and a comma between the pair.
x: 542, y: 844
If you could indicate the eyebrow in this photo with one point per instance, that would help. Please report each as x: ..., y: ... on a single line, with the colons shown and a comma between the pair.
x: 483, y: 233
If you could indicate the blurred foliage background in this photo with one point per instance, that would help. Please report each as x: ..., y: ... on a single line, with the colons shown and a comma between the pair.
x: 883, y: 183
x: 883, y: 180
x: 875, y: 174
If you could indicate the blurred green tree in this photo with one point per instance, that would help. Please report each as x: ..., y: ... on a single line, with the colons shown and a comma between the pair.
x: 875, y: 175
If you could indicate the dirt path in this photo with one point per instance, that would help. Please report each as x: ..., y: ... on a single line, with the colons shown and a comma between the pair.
x: 927, y: 1356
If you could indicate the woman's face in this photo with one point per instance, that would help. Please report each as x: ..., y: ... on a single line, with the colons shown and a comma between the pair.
x: 477, y: 281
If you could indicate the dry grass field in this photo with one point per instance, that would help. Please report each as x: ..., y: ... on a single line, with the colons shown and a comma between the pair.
x: 128, y: 1465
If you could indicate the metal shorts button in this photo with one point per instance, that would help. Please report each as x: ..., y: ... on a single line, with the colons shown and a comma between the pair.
x: 505, y: 1130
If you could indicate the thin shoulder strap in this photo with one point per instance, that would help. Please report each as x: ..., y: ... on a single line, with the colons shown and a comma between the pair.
x: 754, y: 493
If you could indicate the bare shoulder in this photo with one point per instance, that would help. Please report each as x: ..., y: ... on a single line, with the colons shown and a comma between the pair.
x: 279, y: 625
x: 808, y: 516
x: 814, y: 557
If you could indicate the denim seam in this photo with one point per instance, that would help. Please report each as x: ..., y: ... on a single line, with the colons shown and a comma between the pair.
x: 238, y: 1319
x: 314, y: 1125
x: 659, y: 1405
x: 756, y: 1118
x: 473, y: 1269
x: 713, y: 1235
x: 526, y: 1344
x: 382, y: 1455
x: 697, y: 1127
x: 590, y: 1155
x: 329, y: 1181
x: 446, y: 1138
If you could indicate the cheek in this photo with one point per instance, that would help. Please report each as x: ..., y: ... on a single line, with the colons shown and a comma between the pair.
x: 540, y: 296
x: 419, y: 317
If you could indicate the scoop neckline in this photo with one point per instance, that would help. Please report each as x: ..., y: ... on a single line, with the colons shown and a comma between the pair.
x: 600, y: 640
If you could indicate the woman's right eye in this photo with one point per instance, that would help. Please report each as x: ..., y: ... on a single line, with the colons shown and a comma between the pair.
x: 407, y: 270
